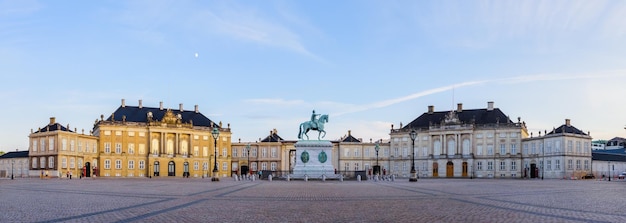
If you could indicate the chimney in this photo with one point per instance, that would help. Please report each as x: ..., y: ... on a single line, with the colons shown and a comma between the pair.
x: 431, y: 109
x: 196, y: 109
x: 161, y: 105
x: 459, y: 107
x: 123, y: 103
x: 349, y: 132
x: 53, y: 120
x: 567, y: 122
x: 490, y: 106
x: 180, y: 106
x: 140, y: 104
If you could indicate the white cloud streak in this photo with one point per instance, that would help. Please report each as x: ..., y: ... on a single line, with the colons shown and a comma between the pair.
x: 513, y: 80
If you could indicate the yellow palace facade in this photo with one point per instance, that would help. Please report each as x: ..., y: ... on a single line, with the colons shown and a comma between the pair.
x: 138, y: 141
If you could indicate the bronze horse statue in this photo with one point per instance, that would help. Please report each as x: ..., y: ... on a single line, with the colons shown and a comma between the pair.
x: 305, y: 127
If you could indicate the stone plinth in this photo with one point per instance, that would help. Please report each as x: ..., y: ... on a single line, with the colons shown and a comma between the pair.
x: 314, y: 159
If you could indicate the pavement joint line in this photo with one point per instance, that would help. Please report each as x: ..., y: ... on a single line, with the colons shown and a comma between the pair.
x: 105, y: 212
x: 239, y: 189
x: 552, y: 208
x: 529, y: 212
x: 161, y: 211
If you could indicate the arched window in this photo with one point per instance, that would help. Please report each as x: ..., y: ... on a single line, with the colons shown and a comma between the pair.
x: 155, y: 147
x: 451, y: 147
x: 437, y: 149
x: 466, y: 147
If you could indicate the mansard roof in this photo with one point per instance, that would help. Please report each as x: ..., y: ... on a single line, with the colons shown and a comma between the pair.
x: 273, y: 137
x: 53, y: 127
x: 140, y: 114
x: 470, y: 116
x: 609, y: 155
x: 567, y: 129
x: 16, y: 154
x: 350, y: 138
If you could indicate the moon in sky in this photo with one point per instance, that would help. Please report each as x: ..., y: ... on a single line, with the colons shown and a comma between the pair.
x: 196, y: 55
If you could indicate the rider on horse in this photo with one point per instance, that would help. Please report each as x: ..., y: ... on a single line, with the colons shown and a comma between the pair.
x: 314, y: 120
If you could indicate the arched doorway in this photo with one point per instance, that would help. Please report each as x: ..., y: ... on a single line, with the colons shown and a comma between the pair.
x: 171, y: 169
x: 156, y: 168
x: 186, y: 169
x: 464, y: 173
x: 449, y: 169
x: 87, y: 169
x: 534, y: 171
x: 435, y: 170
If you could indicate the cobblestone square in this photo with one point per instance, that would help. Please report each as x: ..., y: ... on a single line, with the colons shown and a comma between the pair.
x: 200, y: 200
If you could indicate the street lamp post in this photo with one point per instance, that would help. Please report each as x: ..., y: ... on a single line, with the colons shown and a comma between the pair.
x: 413, y: 178
x: 12, y: 162
x: 377, y: 168
x: 216, y: 134
x: 248, y: 151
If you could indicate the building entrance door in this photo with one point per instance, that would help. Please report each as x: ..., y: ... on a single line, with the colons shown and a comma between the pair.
x: 87, y: 169
x: 464, y: 174
x: 435, y: 170
x: 533, y: 170
x: 449, y: 169
x: 171, y: 169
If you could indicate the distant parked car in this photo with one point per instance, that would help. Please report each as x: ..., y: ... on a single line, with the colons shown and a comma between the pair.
x: 622, y: 175
x: 589, y: 176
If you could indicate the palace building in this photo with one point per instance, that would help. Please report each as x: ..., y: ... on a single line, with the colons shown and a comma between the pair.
x: 460, y: 143
x: 57, y: 151
x: 135, y: 141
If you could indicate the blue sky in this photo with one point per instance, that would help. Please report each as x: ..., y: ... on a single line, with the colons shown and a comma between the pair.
x: 262, y: 65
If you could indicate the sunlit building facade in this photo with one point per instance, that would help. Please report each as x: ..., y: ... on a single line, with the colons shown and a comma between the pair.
x: 138, y: 141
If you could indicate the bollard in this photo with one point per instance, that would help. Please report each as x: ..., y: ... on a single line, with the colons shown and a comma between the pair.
x: 306, y: 178
x: 341, y: 178
x: 269, y: 177
x: 393, y: 177
x: 358, y: 178
x: 253, y: 178
x: 323, y: 178
x: 288, y: 178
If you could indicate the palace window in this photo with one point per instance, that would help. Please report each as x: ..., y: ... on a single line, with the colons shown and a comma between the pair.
x: 34, y: 145
x: 235, y: 152
x: 489, y: 149
x: 118, y: 148
x: 273, y: 166
x: 72, y: 163
x: 107, y: 164
x: 42, y: 162
x: 479, y: 165
x: 586, y: 164
x: 489, y: 165
x: 224, y: 166
x: 51, y: 162
x: 118, y: 164
x: 557, y: 164
x: 502, y: 165
x: 107, y: 147
x: 196, y: 165
x: 142, y: 164
x: 578, y: 166
x: 274, y: 152
x: 72, y: 147
x: 263, y: 166
x: 51, y: 144
x: 131, y: 164
x: 549, y: 165
x: 570, y: 164
x: 80, y: 146
x: 63, y: 144
x: 502, y: 149
x: 63, y: 162
x: 131, y: 148
x: 513, y: 148
x: 224, y: 152
x: 513, y: 165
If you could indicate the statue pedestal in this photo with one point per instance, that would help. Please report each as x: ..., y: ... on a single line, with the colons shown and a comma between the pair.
x: 314, y: 160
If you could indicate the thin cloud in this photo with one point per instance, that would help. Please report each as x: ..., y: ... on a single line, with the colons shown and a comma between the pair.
x: 513, y: 80
x: 247, y: 25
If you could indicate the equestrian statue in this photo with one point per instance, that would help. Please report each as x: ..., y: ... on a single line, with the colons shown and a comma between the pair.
x: 316, y: 124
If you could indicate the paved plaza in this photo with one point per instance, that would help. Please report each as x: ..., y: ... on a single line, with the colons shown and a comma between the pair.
x: 200, y: 200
